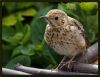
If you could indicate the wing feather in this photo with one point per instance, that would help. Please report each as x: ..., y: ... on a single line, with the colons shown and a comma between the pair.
x: 81, y: 29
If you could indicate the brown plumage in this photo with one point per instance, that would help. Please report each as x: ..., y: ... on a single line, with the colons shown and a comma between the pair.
x: 64, y: 34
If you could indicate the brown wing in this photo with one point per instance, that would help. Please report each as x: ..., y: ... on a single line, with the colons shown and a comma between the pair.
x: 82, y: 31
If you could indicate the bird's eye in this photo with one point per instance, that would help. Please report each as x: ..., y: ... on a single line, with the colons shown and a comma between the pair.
x: 56, y: 18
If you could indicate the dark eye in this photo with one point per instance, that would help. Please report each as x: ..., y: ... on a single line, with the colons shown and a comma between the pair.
x: 56, y: 18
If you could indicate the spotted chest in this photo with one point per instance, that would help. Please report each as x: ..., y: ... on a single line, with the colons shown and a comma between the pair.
x: 64, y: 41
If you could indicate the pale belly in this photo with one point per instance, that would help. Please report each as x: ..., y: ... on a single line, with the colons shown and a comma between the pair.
x: 67, y: 49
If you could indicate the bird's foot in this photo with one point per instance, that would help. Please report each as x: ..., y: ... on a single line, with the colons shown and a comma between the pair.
x: 67, y: 65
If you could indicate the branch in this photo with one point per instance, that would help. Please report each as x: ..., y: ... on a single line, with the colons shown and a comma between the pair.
x: 82, y: 68
x: 85, y: 68
x: 6, y: 71
x: 91, y: 54
x: 36, y: 71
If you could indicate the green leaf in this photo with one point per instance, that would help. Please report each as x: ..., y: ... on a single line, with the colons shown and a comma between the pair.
x: 29, y: 12
x: 29, y: 50
x: 62, y: 6
x: 88, y: 6
x: 21, y: 5
x: 10, y: 6
x: 19, y: 26
x: 9, y: 35
x: 38, y: 47
x: 22, y: 59
x: 16, y: 51
x: 71, y: 6
x: 50, y: 57
x: 25, y: 50
x: 7, y: 32
x: 19, y: 17
x: 9, y: 20
x: 92, y: 27
x: 9, y: 47
x: 15, y: 39
x: 27, y: 34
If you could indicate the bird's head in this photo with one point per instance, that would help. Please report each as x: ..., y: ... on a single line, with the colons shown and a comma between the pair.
x: 56, y: 18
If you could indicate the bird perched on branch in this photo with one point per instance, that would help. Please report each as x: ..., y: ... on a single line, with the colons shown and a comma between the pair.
x: 64, y: 34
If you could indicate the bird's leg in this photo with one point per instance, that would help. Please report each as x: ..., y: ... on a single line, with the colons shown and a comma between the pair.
x: 68, y: 63
x: 86, y: 60
x: 61, y: 63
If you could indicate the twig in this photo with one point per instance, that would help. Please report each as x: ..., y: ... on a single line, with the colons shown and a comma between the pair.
x: 85, y: 68
x: 91, y: 54
x: 36, y: 71
x: 6, y: 71
x: 82, y: 68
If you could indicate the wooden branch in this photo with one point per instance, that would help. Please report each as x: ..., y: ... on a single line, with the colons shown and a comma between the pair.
x: 85, y: 68
x: 36, y: 71
x: 82, y: 68
x: 91, y: 54
x: 6, y: 71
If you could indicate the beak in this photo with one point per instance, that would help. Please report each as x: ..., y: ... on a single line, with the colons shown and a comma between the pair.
x: 44, y: 17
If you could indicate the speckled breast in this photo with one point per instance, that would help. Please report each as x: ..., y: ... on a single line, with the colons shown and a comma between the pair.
x: 64, y: 41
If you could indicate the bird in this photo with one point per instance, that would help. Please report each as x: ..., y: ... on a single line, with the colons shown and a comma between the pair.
x: 64, y: 34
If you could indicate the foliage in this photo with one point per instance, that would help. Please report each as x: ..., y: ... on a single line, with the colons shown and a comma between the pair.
x: 23, y: 31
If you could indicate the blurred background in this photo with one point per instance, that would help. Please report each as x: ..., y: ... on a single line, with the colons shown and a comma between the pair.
x: 23, y: 31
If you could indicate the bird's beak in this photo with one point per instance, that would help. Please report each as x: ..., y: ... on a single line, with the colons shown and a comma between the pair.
x: 44, y: 17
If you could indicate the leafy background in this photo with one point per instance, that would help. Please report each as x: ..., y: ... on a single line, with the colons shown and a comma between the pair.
x: 23, y: 31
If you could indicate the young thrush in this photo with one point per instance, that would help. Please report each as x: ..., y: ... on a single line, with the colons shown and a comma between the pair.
x: 64, y: 34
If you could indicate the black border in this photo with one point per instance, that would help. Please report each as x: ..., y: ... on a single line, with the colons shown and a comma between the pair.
x: 0, y: 38
x: 49, y: 0
x: 98, y: 37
